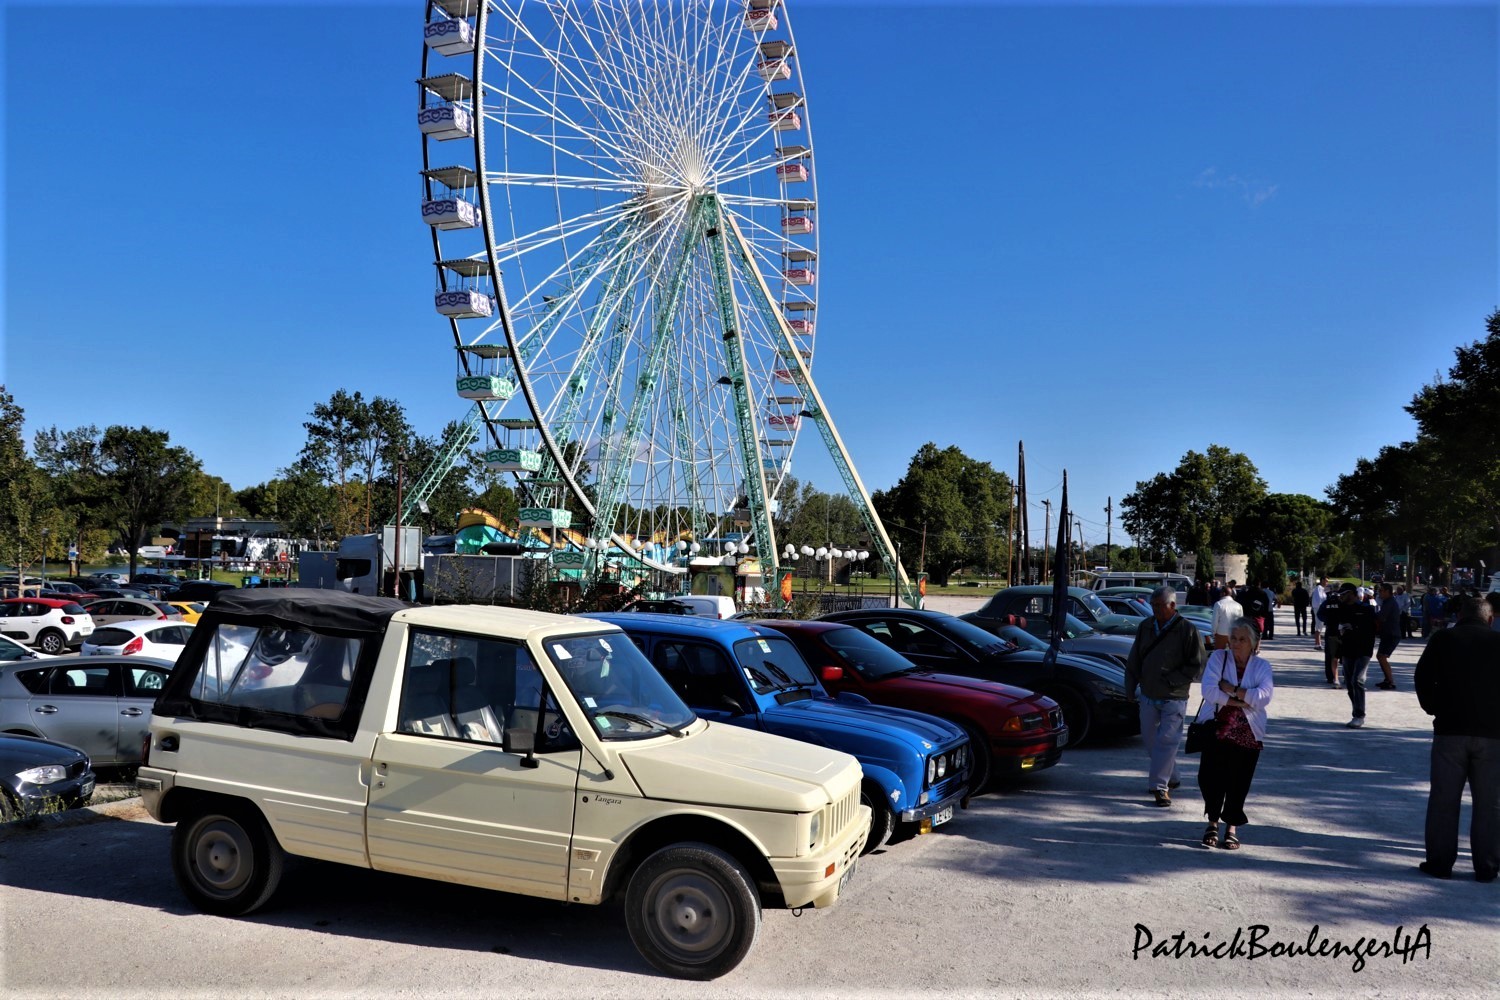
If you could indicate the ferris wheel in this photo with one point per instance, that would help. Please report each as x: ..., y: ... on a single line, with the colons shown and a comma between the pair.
x: 623, y: 202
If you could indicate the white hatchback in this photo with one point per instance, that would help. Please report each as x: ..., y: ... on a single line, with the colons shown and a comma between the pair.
x: 143, y: 637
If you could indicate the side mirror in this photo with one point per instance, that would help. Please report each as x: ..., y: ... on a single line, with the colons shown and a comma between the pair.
x: 833, y: 673
x: 520, y: 741
x: 728, y: 704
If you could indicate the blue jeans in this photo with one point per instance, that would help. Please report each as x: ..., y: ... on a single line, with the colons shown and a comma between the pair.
x: 1354, y: 678
x: 1161, y: 731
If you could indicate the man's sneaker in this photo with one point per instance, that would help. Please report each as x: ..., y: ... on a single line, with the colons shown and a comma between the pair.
x: 1357, y: 722
x: 1484, y: 878
x: 1387, y: 685
x: 1427, y: 868
x: 1163, y: 797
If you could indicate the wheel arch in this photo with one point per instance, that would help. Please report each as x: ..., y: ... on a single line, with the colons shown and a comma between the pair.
x: 179, y: 803
x: 680, y: 828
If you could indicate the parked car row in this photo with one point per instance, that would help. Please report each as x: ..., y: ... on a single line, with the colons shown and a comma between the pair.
x: 691, y: 765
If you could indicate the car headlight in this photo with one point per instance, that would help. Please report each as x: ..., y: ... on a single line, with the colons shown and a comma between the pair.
x: 942, y: 766
x: 931, y: 770
x: 816, y: 830
x: 44, y: 775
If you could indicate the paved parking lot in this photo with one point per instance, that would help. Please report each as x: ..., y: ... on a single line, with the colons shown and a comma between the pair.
x: 1044, y: 890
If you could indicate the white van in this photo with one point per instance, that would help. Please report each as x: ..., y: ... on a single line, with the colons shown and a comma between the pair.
x: 708, y: 605
x: 1127, y: 578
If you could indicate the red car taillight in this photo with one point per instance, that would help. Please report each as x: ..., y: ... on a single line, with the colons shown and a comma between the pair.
x: 146, y: 751
x: 161, y: 618
x: 67, y: 619
x: 133, y: 646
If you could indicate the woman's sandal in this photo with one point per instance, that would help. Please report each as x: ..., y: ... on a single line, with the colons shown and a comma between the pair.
x: 1211, y: 835
x: 1231, y: 842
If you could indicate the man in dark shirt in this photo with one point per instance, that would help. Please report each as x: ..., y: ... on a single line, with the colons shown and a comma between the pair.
x: 1354, y: 622
x: 1301, y: 601
x: 1388, y: 628
x: 1458, y: 684
x: 1257, y: 606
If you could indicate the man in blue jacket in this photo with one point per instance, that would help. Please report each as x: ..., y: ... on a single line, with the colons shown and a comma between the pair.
x: 1458, y: 684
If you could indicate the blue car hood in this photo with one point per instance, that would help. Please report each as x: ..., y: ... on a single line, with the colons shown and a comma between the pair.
x: 922, y: 732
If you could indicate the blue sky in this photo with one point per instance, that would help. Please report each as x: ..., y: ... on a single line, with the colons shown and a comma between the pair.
x: 1117, y: 232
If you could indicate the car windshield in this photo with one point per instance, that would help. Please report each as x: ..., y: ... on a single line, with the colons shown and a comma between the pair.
x: 771, y: 663
x: 1072, y: 627
x: 1022, y: 638
x: 624, y: 696
x: 865, y: 654
x: 1095, y: 606
x: 971, y: 635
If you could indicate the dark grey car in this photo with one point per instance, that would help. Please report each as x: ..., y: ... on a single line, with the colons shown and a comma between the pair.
x: 100, y: 704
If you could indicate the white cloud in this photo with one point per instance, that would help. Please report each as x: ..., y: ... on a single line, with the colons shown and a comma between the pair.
x: 1255, y: 193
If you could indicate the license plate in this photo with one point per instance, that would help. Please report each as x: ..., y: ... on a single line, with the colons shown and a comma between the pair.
x: 848, y: 874
x: 942, y: 816
x: 1062, y: 739
x: 86, y: 790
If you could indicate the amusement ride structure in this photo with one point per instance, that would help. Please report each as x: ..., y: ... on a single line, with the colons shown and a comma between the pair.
x: 623, y: 201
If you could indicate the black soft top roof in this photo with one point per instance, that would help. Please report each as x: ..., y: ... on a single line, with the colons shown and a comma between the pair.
x: 330, y: 612
x: 294, y: 607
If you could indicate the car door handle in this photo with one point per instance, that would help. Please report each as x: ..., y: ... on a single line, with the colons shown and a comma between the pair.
x: 47, y: 710
x: 132, y: 712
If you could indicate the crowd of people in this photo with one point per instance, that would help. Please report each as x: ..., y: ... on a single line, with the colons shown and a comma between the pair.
x: 1457, y: 681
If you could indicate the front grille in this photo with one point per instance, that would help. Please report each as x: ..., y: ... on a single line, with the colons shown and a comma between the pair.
x: 840, y: 813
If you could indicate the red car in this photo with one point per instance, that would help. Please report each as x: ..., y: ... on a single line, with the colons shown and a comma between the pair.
x: 1011, y: 730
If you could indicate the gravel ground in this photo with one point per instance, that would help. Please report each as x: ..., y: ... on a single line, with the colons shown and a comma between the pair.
x: 1042, y: 890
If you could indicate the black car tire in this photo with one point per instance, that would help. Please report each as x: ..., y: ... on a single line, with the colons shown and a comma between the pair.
x: 981, y: 759
x: 226, y: 860
x: 52, y: 642
x: 692, y: 911
x: 882, y: 817
x: 1077, y: 714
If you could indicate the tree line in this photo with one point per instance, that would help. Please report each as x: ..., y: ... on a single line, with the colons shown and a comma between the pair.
x: 1437, y: 496
x: 1432, y: 502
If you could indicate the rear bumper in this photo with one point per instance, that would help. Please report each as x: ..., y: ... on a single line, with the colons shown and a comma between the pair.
x: 154, y: 783
x: 817, y: 880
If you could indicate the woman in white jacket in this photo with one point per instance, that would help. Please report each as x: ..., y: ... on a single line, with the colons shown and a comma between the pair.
x: 1237, y: 688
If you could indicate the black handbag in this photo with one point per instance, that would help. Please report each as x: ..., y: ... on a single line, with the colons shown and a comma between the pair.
x: 1201, y: 734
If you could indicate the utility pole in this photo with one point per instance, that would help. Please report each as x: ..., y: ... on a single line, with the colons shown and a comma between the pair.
x: 1046, y: 536
x: 1109, y: 509
x: 922, y: 558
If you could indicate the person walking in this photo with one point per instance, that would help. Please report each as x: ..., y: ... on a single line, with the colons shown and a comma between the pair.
x: 1301, y: 601
x: 1268, y: 631
x: 1458, y: 684
x: 1319, y: 595
x: 1237, y: 686
x: 1253, y: 599
x: 1355, y: 623
x: 1226, y: 612
x: 1164, y: 661
x: 1388, y: 630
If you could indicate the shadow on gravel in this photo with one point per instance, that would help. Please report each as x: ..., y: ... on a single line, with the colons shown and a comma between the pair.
x: 125, y: 862
x: 1363, y: 792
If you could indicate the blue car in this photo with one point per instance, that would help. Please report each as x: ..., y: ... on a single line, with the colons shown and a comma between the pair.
x: 916, y: 766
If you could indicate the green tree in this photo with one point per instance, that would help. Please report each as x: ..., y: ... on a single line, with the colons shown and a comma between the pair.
x: 70, y: 461
x: 146, y: 481
x: 1459, y: 422
x: 1196, y: 505
x: 305, y: 504
x: 951, y: 507
x: 26, y: 506
x: 332, y: 450
x: 1292, y: 523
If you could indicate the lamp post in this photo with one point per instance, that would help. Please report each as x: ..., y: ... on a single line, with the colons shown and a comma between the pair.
x: 400, y: 472
x: 1046, y: 531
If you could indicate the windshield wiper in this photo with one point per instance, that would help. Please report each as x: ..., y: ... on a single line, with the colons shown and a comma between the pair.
x: 786, y: 678
x: 643, y: 720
